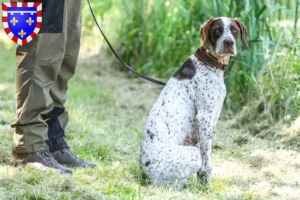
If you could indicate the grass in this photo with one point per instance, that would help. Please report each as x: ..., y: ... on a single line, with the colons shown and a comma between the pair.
x: 105, y: 127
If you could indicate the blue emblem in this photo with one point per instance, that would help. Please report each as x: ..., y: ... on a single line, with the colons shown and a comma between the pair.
x: 22, y: 21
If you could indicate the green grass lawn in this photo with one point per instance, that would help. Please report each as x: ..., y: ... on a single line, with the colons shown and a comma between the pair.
x: 108, y: 112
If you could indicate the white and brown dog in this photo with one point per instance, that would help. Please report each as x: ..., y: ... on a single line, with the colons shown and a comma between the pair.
x: 188, y: 108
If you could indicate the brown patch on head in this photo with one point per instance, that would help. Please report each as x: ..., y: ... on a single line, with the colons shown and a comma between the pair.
x: 243, y: 31
x: 210, y: 31
x: 216, y: 31
x: 204, y: 32
x: 234, y: 29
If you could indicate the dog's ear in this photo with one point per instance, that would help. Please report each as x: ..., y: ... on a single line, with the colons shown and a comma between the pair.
x: 243, y: 33
x: 204, y: 32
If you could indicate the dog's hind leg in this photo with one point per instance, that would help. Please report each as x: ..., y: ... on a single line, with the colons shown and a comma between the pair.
x: 172, y: 165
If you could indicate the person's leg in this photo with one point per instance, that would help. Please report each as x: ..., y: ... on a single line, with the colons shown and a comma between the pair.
x: 38, y: 65
x: 59, y: 89
x: 59, y: 116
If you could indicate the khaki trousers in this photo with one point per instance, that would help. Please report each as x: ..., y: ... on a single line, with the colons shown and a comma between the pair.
x: 44, y: 67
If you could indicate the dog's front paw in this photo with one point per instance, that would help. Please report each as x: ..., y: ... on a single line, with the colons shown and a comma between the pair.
x: 204, y: 176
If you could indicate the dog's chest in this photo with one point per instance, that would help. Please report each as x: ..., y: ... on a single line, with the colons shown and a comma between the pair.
x: 208, y: 84
x: 173, y: 117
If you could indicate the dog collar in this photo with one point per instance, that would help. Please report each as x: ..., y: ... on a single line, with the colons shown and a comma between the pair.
x: 209, y: 60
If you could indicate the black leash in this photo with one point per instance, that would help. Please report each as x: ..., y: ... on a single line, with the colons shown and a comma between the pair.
x: 120, y: 59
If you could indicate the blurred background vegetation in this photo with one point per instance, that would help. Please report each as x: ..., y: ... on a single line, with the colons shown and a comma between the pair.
x: 157, y: 36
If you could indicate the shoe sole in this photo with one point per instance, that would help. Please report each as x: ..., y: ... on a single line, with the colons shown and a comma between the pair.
x: 40, y: 167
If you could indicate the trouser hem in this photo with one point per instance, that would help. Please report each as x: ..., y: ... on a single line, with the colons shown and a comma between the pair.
x: 57, y: 144
x: 30, y: 148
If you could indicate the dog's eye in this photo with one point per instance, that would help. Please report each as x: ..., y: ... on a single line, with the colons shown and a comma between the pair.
x: 234, y: 30
x: 218, y: 30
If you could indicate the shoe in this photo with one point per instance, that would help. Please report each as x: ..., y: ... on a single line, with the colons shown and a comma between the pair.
x: 67, y: 158
x: 40, y: 160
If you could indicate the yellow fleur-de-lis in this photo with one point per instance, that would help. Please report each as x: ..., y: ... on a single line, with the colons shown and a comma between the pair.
x: 14, y: 21
x: 29, y: 21
x: 22, y: 33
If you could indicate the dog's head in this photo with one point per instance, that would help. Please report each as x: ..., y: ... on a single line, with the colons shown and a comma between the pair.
x: 220, y: 35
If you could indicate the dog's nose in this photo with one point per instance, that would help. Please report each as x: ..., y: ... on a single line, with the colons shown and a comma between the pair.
x: 228, y: 43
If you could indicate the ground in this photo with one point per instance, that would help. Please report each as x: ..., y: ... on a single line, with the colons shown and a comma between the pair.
x: 108, y: 112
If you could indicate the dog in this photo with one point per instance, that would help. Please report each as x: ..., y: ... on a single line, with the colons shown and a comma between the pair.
x: 177, y: 139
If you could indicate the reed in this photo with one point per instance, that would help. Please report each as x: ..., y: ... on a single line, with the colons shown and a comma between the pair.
x: 157, y: 36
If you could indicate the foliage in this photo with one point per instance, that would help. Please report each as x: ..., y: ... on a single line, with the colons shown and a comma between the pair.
x: 156, y: 37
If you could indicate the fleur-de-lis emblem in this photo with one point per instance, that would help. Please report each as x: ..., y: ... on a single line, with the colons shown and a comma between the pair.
x: 29, y: 21
x: 21, y: 21
x: 22, y: 33
x: 14, y: 21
